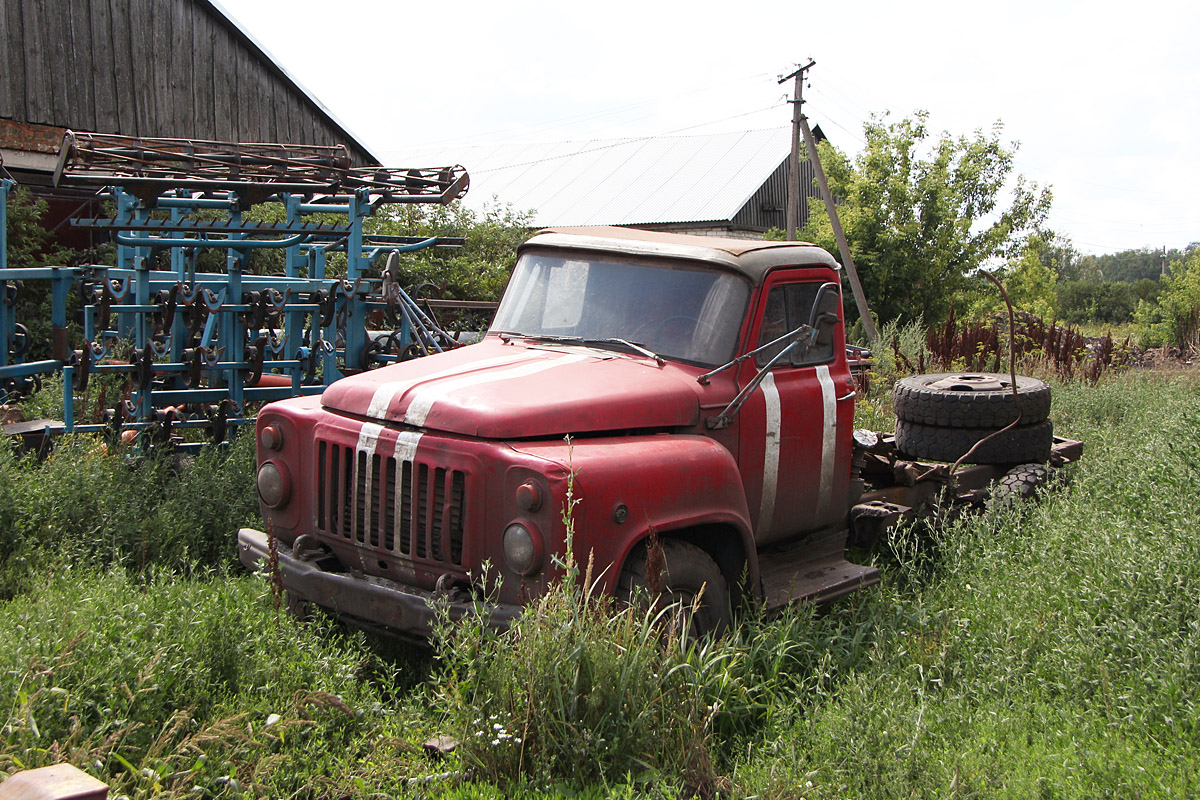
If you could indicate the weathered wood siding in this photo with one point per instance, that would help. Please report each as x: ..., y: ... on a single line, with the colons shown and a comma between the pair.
x: 768, y: 207
x: 174, y: 68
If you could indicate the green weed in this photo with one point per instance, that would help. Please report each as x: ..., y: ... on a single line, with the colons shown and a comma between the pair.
x: 184, y: 687
x: 84, y: 505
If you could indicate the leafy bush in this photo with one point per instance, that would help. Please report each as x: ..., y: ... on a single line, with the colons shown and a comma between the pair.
x: 922, y: 213
x: 479, y: 269
x: 85, y: 505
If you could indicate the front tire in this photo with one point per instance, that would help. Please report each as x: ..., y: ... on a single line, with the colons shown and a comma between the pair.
x: 687, y: 572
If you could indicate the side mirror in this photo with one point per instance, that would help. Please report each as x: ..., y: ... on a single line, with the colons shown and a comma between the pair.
x: 824, y: 316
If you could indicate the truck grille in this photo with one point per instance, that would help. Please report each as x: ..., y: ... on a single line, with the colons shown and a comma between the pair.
x: 409, y: 508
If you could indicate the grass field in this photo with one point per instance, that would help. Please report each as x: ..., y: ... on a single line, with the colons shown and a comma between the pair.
x: 1051, y: 651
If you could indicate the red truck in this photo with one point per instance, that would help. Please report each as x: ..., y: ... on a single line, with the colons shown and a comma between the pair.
x: 698, y: 390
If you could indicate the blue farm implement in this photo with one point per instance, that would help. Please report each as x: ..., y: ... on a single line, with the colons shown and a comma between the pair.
x: 201, y: 346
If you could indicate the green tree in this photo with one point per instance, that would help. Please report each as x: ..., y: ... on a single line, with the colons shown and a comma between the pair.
x: 921, y: 216
x: 31, y: 245
x: 1058, y: 253
x: 1175, y: 317
x: 480, y: 268
x: 1030, y: 284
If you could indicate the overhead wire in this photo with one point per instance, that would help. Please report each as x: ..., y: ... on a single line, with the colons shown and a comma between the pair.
x: 590, y: 116
x: 619, y: 142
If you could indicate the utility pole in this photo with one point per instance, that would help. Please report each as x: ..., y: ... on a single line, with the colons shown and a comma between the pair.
x: 800, y: 124
x: 793, y: 190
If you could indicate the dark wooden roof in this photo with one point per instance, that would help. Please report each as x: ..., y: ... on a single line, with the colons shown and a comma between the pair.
x: 173, y: 68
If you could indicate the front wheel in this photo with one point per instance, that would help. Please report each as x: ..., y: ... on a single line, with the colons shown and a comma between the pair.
x: 686, y: 573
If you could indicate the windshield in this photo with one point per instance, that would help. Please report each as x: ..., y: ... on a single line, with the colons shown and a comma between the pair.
x: 677, y: 312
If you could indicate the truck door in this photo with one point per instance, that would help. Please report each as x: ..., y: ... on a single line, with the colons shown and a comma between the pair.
x: 797, y: 433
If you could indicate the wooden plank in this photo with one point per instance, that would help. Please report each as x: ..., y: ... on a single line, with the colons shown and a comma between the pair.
x: 263, y: 110
x: 224, y: 84
x: 12, y: 88
x: 248, y: 124
x: 159, y: 66
x: 104, y: 69
x: 56, y: 53
x: 39, y: 98
x: 141, y: 77
x: 82, y: 68
x: 202, y: 75
x: 183, y: 16
x: 281, y: 130
x: 122, y: 46
x: 298, y: 121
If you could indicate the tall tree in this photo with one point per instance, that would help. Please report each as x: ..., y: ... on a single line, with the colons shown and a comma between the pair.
x: 922, y: 215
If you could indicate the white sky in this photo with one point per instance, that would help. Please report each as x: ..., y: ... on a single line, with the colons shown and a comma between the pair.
x: 1104, y: 97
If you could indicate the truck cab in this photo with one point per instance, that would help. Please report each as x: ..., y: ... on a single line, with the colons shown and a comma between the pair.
x: 691, y: 393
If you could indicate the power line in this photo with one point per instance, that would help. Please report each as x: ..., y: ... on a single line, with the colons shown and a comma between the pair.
x: 598, y: 148
x: 573, y: 119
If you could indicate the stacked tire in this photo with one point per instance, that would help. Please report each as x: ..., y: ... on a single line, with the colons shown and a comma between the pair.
x: 941, y: 417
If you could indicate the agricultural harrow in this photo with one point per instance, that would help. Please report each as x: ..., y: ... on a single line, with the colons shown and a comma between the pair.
x: 198, y: 345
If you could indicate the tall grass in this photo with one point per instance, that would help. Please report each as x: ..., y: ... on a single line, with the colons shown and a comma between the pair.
x: 84, y: 505
x: 1031, y: 651
x: 581, y: 689
x: 169, y: 687
x: 1051, y: 651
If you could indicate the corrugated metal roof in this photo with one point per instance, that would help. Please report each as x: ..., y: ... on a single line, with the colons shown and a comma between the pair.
x: 661, y: 179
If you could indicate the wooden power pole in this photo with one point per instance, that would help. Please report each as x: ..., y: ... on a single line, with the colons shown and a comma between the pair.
x: 800, y: 124
x: 793, y: 190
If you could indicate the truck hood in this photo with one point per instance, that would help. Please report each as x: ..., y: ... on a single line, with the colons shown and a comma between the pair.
x: 522, y: 390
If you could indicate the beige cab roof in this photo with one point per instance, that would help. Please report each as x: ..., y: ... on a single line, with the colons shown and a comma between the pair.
x: 751, y: 257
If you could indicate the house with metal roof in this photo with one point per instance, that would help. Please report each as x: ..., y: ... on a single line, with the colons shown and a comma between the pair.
x: 149, y: 68
x: 724, y: 184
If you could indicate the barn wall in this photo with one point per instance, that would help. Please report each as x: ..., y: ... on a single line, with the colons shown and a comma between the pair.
x: 174, y: 68
x: 768, y: 207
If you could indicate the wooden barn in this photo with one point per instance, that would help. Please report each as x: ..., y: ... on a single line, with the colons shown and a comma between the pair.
x: 723, y: 184
x: 162, y: 68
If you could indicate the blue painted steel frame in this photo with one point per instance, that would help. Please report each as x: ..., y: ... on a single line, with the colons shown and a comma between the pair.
x: 312, y: 316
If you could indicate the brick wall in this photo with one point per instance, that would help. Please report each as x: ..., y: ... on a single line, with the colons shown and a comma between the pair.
x: 30, y: 137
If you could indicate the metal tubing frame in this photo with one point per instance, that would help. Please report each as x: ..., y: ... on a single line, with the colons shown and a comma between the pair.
x: 133, y: 289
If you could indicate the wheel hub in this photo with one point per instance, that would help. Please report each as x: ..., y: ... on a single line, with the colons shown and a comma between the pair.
x: 970, y: 382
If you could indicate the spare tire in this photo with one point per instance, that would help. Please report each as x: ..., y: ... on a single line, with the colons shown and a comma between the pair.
x: 1020, y: 445
x: 970, y: 400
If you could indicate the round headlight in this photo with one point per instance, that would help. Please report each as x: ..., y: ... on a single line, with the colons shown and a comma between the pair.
x: 521, y: 549
x: 271, y: 437
x: 274, y: 485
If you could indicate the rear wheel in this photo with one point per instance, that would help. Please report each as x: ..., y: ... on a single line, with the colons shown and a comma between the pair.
x: 687, y: 573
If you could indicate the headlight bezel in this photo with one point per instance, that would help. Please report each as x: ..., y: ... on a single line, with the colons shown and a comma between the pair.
x: 524, y: 548
x: 278, y: 484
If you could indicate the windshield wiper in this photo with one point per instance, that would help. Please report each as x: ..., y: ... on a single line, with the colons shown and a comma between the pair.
x: 637, y: 348
x: 549, y: 337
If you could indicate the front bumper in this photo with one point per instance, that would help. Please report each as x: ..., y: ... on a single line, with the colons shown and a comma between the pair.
x: 365, y: 600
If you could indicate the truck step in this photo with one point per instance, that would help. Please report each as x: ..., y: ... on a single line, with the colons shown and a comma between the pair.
x: 812, y: 574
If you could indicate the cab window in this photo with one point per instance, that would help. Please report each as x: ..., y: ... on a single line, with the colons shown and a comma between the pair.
x: 789, y: 307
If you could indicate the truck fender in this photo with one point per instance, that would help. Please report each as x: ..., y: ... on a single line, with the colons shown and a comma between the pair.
x: 684, y: 486
x: 730, y: 545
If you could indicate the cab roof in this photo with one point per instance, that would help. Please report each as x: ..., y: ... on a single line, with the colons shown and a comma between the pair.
x: 750, y: 257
